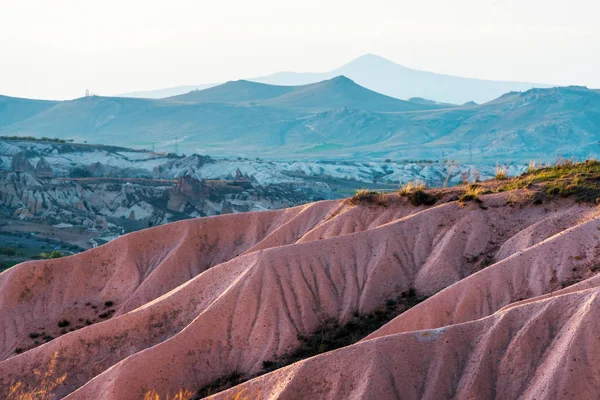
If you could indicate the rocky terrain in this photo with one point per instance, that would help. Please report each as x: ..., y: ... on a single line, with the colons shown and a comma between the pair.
x: 479, y: 291
x: 97, y: 193
x: 100, y: 192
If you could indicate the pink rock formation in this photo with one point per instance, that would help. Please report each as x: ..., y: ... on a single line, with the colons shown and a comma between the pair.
x: 511, y: 314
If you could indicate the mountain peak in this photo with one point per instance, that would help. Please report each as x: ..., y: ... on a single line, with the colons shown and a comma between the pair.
x: 372, y: 61
x: 341, y: 79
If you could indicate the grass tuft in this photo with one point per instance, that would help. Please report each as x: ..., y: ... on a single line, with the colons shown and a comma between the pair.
x: 472, y: 194
x: 182, y: 394
x: 500, y: 173
x: 44, y: 390
x: 365, y: 196
x: 416, y: 194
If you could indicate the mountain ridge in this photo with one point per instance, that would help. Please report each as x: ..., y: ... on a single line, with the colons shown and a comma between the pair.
x: 337, y: 92
x: 335, y: 123
x: 395, y: 80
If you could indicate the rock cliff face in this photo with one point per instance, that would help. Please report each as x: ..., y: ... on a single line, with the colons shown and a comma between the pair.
x: 97, y: 186
x: 92, y: 202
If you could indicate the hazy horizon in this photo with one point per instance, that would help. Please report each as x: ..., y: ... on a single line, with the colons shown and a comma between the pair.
x: 58, y: 50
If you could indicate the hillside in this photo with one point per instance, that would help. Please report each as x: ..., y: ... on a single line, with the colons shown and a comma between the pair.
x: 14, y: 109
x: 335, y: 119
x: 420, y: 293
x: 335, y: 93
x: 166, y: 92
x: 237, y: 92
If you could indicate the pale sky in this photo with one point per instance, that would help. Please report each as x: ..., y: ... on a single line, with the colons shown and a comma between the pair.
x: 56, y: 49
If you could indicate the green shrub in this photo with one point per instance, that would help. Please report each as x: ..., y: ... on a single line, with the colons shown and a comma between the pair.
x: 56, y: 254
x: 364, y: 196
x: 421, y: 197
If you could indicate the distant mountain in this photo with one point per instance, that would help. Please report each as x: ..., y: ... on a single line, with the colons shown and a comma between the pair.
x: 335, y: 93
x: 167, y: 92
x: 335, y: 119
x: 237, y: 92
x: 389, y: 78
x: 383, y: 76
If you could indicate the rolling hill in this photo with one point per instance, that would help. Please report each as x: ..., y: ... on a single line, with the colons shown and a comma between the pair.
x: 334, y: 119
x: 338, y: 92
x: 14, y: 109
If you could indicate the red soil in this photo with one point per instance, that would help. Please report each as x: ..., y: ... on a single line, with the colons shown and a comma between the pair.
x: 511, y: 314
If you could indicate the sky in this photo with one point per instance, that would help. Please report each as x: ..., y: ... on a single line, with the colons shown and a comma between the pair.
x: 58, y: 49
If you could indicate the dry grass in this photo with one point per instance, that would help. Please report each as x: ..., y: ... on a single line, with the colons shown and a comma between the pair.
x: 416, y: 194
x: 44, y: 390
x: 472, y: 194
x: 532, y: 167
x: 411, y: 187
x: 500, y: 173
x: 183, y: 394
x: 566, y: 178
x: 365, y: 196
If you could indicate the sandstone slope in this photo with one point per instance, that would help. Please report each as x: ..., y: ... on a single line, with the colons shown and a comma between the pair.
x: 509, y: 283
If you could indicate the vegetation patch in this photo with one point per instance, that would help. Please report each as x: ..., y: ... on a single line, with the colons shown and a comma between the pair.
x: 500, y: 173
x: 46, y: 256
x: 421, y: 197
x: 63, y: 323
x: 472, y: 194
x: 47, y: 383
x: 416, y: 194
x: 364, y: 196
x: 566, y: 178
x: 331, y: 335
x: 182, y: 394
x: 8, y: 251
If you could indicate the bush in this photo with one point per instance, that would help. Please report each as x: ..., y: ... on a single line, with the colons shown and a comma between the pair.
x: 364, y: 196
x: 416, y: 194
x: 63, y: 324
x: 420, y: 197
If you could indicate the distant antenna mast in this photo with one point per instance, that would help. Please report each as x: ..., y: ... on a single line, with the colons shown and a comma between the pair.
x: 176, y: 145
x: 87, y: 92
